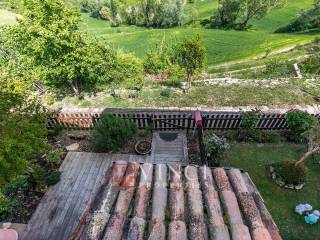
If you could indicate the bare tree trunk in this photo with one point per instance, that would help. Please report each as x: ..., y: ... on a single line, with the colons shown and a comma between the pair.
x: 189, y: 78
x: 75, y: 88
x: 307, y: 155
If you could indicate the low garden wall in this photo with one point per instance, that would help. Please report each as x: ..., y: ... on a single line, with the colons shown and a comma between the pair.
x: 166, y: 119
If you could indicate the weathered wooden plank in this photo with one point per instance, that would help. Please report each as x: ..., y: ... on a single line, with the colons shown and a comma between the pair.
x: 83, y: 196
x: 61, y: 195
x: 69, y: 204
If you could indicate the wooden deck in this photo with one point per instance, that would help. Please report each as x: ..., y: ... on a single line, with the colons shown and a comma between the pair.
x: 60, y: 209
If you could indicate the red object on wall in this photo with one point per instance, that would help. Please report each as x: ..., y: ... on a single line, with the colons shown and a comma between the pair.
x: 198, y: 118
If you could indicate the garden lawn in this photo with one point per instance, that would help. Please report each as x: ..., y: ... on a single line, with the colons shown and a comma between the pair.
x: 222, y: 46
x: 253, y: 158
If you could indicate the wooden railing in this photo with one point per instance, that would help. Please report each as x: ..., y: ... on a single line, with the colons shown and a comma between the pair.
x: 167, y: 120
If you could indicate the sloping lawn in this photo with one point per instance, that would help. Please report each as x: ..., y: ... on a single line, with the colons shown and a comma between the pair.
x: 253, y: 158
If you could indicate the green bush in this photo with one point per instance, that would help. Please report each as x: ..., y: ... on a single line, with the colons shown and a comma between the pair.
x: 21, y: 182
x: 157, y: 60
x: 166, y: 93
x: 128, y: 72
x: 5, y: 206
x: 279, y: 68
x: 216, y: 148
x: 111, y: 133
x: 53, y: 178
x: 54, y: 157
x: 299, y: 122
x: 249, y: 120
x: 311, y: 65
x: 55, y: 131
x: 175, y: 75
x: 290, y: 173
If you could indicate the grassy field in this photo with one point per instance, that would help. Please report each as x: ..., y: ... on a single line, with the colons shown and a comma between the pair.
x: 222, y: 46
x: 253, y: 158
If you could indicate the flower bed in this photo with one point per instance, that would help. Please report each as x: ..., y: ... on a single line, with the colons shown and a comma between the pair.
x: 280, y: 181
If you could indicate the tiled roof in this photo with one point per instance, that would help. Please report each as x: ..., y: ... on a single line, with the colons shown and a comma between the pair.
x: 155, y: 202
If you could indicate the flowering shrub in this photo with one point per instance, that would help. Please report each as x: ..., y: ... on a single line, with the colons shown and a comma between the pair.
x: 216, y: 150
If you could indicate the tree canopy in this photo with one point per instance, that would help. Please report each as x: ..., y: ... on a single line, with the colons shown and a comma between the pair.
x: 191, y: 56
x: 307, y: 19
x: 23, y: 128
x: 236, y: 14
x: 46, y: 45
x: 148, y: 13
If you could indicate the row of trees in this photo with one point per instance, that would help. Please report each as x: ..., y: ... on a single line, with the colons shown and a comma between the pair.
x: 47, y: 46
x: 307, y: 19
x: 148, y: 13
x: 236, y: 14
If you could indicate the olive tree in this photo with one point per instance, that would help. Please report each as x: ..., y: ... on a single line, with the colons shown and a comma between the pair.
x: 190, y: 55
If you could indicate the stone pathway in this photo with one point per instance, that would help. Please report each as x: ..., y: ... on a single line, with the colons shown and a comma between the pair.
x: 169, y: 147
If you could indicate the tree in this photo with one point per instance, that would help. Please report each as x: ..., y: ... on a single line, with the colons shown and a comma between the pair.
x: 46, y: 45
x: 307, y: 19
x: 190, y: 55
x: 236, y: 14
x: 23, y: 128
x: 313, y: 144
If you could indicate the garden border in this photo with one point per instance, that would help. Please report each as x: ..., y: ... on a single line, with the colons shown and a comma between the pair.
x: 167, y: 119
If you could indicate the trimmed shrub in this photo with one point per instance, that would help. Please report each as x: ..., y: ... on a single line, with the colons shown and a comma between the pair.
x: 216, y: 148
x: 111, y: 133
x: 290, y: 173
x: 53, y: 178
x: 299, y: 122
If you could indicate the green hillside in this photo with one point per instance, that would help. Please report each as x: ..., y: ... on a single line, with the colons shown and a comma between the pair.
x: 222, y: 46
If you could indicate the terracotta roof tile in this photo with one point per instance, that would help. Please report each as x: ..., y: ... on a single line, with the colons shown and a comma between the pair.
x: 158, y: 202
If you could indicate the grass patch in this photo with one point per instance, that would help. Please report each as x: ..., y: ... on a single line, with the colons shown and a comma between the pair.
x: 253, y: 158
x: 205, y: 96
